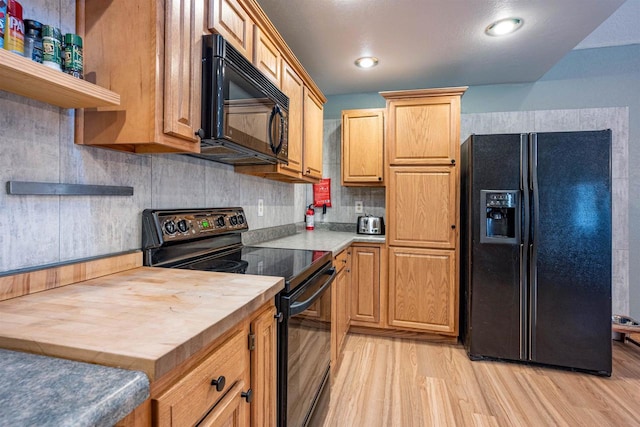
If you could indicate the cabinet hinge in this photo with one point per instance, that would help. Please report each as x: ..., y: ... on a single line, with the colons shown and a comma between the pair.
x: 252, y: 342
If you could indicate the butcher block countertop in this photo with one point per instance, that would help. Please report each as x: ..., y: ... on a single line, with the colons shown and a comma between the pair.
x: 147, y: 318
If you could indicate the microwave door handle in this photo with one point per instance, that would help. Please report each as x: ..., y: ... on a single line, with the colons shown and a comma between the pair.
x: 276, y: 110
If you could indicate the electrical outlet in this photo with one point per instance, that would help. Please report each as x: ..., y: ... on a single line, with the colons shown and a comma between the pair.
x: 359, y: 206
x: 260, y: 207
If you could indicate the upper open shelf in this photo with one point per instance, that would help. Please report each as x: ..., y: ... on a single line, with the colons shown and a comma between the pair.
x: 28, y: 78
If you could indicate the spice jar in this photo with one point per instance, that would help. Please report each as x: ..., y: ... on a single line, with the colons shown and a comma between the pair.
x: 73, y: 55
x: 14, y: 28
x: 33, y: 40
x: 52, y: 47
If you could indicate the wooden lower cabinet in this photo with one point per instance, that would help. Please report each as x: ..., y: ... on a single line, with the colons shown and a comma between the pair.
x: 423, y: 290
x: 231, y: 384
x: 200, y: 390
x: 341, y: 304
x: 264, y: 374
x: 231, y: 411
x: 365, y: 286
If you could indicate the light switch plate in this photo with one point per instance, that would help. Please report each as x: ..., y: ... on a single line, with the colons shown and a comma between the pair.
x: 260, y: 207
x: 359, y: 206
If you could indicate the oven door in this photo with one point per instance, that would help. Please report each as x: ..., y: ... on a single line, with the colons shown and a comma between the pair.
x: 304, y: 347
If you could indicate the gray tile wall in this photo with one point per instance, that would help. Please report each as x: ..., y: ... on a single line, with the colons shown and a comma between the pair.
x: 343, y: 199
x: 616, y: 119
x: 36, y: 144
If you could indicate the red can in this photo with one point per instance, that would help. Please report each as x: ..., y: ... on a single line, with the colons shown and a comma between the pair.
x: 14, y: 29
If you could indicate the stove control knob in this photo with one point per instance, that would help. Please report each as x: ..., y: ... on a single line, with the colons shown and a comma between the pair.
x: 240, y: 219
x: 233, y: 220
x: 220, y: 221
x: 170, y: 227
x: 183, y: 227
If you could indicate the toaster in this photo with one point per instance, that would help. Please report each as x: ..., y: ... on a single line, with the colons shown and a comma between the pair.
x: 370, y: 225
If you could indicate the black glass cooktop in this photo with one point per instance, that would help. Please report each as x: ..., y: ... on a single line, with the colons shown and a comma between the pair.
x: 292, y: 264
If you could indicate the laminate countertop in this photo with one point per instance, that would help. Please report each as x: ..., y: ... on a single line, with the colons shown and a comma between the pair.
x: 321, y: 240
x: 46, y: 391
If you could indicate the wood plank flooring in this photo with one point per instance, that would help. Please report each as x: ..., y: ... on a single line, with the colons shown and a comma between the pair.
x: 399, y: 382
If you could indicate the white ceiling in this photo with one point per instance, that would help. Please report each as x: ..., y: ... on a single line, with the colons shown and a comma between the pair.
x: 436, y: 43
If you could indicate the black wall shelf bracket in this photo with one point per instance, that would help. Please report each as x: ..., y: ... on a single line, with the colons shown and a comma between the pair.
x: 54, y: 189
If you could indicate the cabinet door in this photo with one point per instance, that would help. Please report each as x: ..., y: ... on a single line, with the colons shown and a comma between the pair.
x: 423, y: 131
x: 362, y: 147
x: 340, y: 300
x: 312, y: 155
x: 266, y: 56
x: 293, y: 87
x: 229, y: 19
x: 365, y: 286
x: 423, y: 290
x: 232, y: 411
x: 184, y: 24
x: 422, y: 206
x: 264, y: 369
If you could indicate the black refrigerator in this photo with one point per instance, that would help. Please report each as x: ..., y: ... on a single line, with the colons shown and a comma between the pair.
x: 536, y: 248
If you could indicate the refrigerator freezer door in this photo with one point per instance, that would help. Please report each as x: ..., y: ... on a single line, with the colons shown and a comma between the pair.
x: 493, y: 288
x: 571, y: 250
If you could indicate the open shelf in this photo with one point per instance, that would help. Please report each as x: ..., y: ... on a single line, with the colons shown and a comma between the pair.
x: 25, y: 77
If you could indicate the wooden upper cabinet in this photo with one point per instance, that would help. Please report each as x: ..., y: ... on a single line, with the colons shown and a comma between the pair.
x: 159, y: 85
x: 362, y: 158
x: 422, y: 206
x: 232, y: 21
x: 183, y: 76
x: 266, y: 56
x: 423, y: 130
x: 312, y: 131
x: 423, y: 291
x: 293, y: 86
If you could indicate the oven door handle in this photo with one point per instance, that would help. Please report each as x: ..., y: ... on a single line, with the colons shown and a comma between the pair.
x: 299, y: 307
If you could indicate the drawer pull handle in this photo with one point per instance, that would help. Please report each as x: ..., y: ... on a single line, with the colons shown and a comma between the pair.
x: 219, y: 383
x: 248, y: 395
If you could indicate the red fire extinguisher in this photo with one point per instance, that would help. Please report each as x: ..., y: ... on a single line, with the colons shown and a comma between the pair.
x: 309, y: 217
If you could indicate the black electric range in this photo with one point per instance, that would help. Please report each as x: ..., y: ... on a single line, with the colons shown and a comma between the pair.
x: 210, y: 240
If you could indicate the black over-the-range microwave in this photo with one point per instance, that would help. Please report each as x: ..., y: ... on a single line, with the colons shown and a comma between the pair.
x: 244, y: 115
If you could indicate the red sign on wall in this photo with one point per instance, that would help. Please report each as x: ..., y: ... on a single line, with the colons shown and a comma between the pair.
x: 322, y: 193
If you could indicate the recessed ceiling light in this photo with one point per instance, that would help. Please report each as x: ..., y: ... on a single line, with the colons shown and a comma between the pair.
x: 367, y: 62
x: 504, y: 27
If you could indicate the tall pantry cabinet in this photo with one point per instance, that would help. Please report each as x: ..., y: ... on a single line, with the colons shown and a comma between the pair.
x: 423, y: 203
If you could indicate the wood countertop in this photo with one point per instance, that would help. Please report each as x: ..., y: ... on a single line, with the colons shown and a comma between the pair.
x: 147, y: 318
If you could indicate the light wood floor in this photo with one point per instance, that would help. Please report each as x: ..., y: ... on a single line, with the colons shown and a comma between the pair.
x: 400, y: 382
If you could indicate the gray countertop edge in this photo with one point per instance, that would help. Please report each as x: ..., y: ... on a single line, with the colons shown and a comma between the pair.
x: 322, y: 240
x: 47, y: 391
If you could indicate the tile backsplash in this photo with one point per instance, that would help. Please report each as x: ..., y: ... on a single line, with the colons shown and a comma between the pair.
x: 343, y: 199
x: 36, y: 144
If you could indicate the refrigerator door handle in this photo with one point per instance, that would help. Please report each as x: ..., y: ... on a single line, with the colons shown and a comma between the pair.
x: 524, y: 309
x: 525, y: 335
x: 533, y: 249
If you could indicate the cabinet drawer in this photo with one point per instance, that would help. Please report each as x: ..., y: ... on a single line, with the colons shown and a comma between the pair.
x: 194, y: 395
